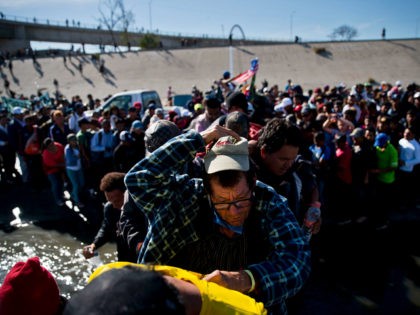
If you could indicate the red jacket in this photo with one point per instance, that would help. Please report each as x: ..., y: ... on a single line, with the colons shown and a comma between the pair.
x: 343, y: 171
x: 53, y: 162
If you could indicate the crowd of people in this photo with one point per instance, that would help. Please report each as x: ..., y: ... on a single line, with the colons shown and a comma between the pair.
x: 225, y: 190
x: 338, y: 127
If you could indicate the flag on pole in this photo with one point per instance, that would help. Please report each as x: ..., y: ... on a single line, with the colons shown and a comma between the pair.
x: 245, y: 76
x: 251, y: 94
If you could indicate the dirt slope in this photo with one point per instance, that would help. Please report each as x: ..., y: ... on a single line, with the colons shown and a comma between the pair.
x: 348, y: 62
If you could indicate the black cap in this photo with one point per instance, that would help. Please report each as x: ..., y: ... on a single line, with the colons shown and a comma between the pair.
x: 127, y: 290
x: 78, y: 105
x: 151, y: 106
x: 83, y: 120
x: 237, y: 99
x: 159, y: 133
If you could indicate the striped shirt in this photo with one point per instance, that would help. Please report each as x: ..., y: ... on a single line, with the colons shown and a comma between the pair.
x: 172, y: 203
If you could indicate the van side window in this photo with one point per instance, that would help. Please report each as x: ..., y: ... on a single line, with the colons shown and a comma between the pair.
x: 122, y: 102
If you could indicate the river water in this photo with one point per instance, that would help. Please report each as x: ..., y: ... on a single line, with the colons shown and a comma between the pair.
x: 60, y: 253
x: 31, y: 225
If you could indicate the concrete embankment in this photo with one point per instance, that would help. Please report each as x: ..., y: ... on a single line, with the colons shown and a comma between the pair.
x: 307, y: 64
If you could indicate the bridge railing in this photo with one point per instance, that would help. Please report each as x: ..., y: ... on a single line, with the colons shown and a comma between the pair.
x: 77, y: 24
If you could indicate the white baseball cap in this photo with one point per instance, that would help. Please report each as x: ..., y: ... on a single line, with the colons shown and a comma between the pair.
x: 17, y: 110
x: 227, y: 154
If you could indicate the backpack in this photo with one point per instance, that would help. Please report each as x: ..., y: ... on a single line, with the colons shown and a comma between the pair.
x: 97, y: 157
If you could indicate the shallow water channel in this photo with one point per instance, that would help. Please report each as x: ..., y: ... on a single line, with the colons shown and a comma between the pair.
x: 60, y: 253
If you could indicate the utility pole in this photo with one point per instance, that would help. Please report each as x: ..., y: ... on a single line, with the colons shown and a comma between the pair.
x: 291, y: 25
x: 231, y: 53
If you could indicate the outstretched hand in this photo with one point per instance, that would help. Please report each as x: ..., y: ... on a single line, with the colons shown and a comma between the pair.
x: 216, y: 132
x: 88, y: 251
x: 234, y: 280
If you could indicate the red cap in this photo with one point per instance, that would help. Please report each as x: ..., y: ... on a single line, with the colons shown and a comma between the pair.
x: 29, y: 289
x: 137, y: 105
x: 298, y: 108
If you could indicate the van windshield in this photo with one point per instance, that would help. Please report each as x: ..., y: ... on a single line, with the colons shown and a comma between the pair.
x: 151, y: 97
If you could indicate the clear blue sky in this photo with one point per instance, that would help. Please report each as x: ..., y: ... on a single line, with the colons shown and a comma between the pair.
x: 268, y: 19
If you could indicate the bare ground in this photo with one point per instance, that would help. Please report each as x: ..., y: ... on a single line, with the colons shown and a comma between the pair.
x: 348, y: 62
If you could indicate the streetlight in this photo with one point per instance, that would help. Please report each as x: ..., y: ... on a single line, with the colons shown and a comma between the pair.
x: 231, y: 45
x: 291, y: 25
x: 150, y: 15
x: 231, y: 52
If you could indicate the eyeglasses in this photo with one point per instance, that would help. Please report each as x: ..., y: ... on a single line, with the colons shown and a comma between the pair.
x: 225, y: 206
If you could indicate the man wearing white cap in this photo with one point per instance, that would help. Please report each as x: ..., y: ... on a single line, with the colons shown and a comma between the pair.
x: 417, y: 100
x: 284, y: 107
x: 231, y: 227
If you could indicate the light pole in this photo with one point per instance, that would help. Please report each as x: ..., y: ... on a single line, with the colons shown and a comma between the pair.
x: 231, y: 53
x: 231, y: 44
x: 150, y: 15
x: 291, y: 25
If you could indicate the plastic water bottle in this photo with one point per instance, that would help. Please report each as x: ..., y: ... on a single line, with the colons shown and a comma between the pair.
x: 312, y: 216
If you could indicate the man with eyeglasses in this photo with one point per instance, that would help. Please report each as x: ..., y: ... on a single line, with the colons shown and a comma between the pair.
x: 227, y: 225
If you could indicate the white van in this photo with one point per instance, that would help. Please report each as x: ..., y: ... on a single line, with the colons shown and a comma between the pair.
x: 124, y: 100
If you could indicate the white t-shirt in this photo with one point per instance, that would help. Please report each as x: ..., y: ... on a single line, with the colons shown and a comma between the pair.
x: 409, y: 153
